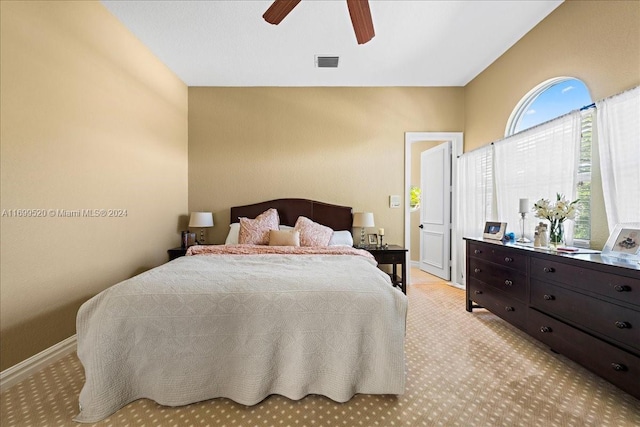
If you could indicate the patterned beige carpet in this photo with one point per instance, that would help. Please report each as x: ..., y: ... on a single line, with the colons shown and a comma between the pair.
x: 462, y: 370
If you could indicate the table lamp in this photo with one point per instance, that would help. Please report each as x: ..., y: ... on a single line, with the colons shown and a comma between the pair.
x: 363, y: 220
x: 201, y: 220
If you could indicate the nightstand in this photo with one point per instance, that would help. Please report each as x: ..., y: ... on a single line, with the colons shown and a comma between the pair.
x: 394, y: 255
x: 176, y: 253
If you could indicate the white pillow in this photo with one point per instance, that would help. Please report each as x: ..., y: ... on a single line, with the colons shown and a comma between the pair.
x: 234, y: 234
x: 285, y: 227
x: 341, y: 238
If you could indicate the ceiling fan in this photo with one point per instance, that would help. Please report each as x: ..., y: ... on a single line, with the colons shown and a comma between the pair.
x: 358, y: 9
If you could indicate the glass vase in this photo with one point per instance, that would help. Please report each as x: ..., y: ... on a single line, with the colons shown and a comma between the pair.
x: 556, y: 234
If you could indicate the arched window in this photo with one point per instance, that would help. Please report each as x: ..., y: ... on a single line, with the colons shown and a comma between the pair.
x: 547, y: 101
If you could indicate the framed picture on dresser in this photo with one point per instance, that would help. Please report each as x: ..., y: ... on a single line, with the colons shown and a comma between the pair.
x: 624, y: 242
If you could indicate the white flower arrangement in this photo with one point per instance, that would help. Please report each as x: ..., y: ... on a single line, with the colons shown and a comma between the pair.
x: 556, y: 214
x: 562, y: 210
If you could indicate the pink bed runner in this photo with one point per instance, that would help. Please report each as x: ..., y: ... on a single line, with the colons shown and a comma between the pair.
x: 279, y: 250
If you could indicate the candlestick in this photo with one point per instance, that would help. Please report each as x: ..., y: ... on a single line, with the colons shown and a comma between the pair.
x: 524, y: 206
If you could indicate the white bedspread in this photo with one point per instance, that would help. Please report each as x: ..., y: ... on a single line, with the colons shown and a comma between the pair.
x: 242, y: 327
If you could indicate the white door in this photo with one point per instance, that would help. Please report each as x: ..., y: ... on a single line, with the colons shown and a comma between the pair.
x: 435, y: 211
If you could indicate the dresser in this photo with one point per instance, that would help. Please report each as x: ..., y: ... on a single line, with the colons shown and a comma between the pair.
x: 584, y: 306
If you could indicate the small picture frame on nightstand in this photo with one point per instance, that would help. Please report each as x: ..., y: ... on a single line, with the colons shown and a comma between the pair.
x: 372, y: 239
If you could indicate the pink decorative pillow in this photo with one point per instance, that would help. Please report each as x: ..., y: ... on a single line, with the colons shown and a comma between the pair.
x: 256, y: 231
x: 312, y: 233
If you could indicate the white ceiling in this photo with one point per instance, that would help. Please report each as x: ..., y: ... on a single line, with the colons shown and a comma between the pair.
x: 417, y: 43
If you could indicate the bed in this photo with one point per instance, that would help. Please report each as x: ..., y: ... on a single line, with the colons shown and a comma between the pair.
x: 246, y: 321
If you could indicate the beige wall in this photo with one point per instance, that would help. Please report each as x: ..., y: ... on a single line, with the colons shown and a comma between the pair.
x: 338, y: 145
x: 90, y: 119
x: 595, y: 41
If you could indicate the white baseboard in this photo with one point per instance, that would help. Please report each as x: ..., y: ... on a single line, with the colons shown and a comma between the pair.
x: 26, y: 368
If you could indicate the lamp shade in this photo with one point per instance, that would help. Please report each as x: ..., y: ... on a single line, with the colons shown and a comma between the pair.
x: 201, y: 219
x: 363, y: 219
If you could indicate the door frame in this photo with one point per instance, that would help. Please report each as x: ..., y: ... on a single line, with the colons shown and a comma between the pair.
x: 456, y: 139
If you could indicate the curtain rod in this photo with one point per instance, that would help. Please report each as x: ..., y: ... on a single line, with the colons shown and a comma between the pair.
x: 586, y: 107
x: 475, y: 149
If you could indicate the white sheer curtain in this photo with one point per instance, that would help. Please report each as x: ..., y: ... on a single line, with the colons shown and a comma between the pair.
x: 618, y: 124
x: 534, y: 164
x: 475, y: 190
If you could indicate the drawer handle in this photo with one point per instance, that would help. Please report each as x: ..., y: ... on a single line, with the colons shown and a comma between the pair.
x: 549, y: 297
x: 508, y: 282
x: 477, y: 292
x: 548, y: 269
x: 623, y: 325
x: 509, y: 308
x: 476, y: 270
x: 545, y: 329
x: 477, y: 251
x: 618, y: 367
x: 622, y: 288
x: 508, y: 259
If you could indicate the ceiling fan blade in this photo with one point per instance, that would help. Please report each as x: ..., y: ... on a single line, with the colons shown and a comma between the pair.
x: 279, y: 10
x: 361, y: 20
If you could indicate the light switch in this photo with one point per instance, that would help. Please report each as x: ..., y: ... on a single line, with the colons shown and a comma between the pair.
x: 394, y: 201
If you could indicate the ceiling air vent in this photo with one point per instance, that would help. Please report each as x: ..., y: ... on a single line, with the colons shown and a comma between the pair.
x: 325, y: 61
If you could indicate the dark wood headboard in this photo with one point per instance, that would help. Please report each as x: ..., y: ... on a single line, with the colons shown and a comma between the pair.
x: 334, y: 216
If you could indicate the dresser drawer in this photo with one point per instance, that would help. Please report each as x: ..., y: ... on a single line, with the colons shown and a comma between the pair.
x: 613, y: 321
x: 509, y: 281
x: 615, y: 365
x: 498, y: 303
x: 621, y: 288
x: 499, y: 255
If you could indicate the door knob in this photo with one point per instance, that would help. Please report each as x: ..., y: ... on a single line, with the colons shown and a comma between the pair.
x: 421, y: 226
